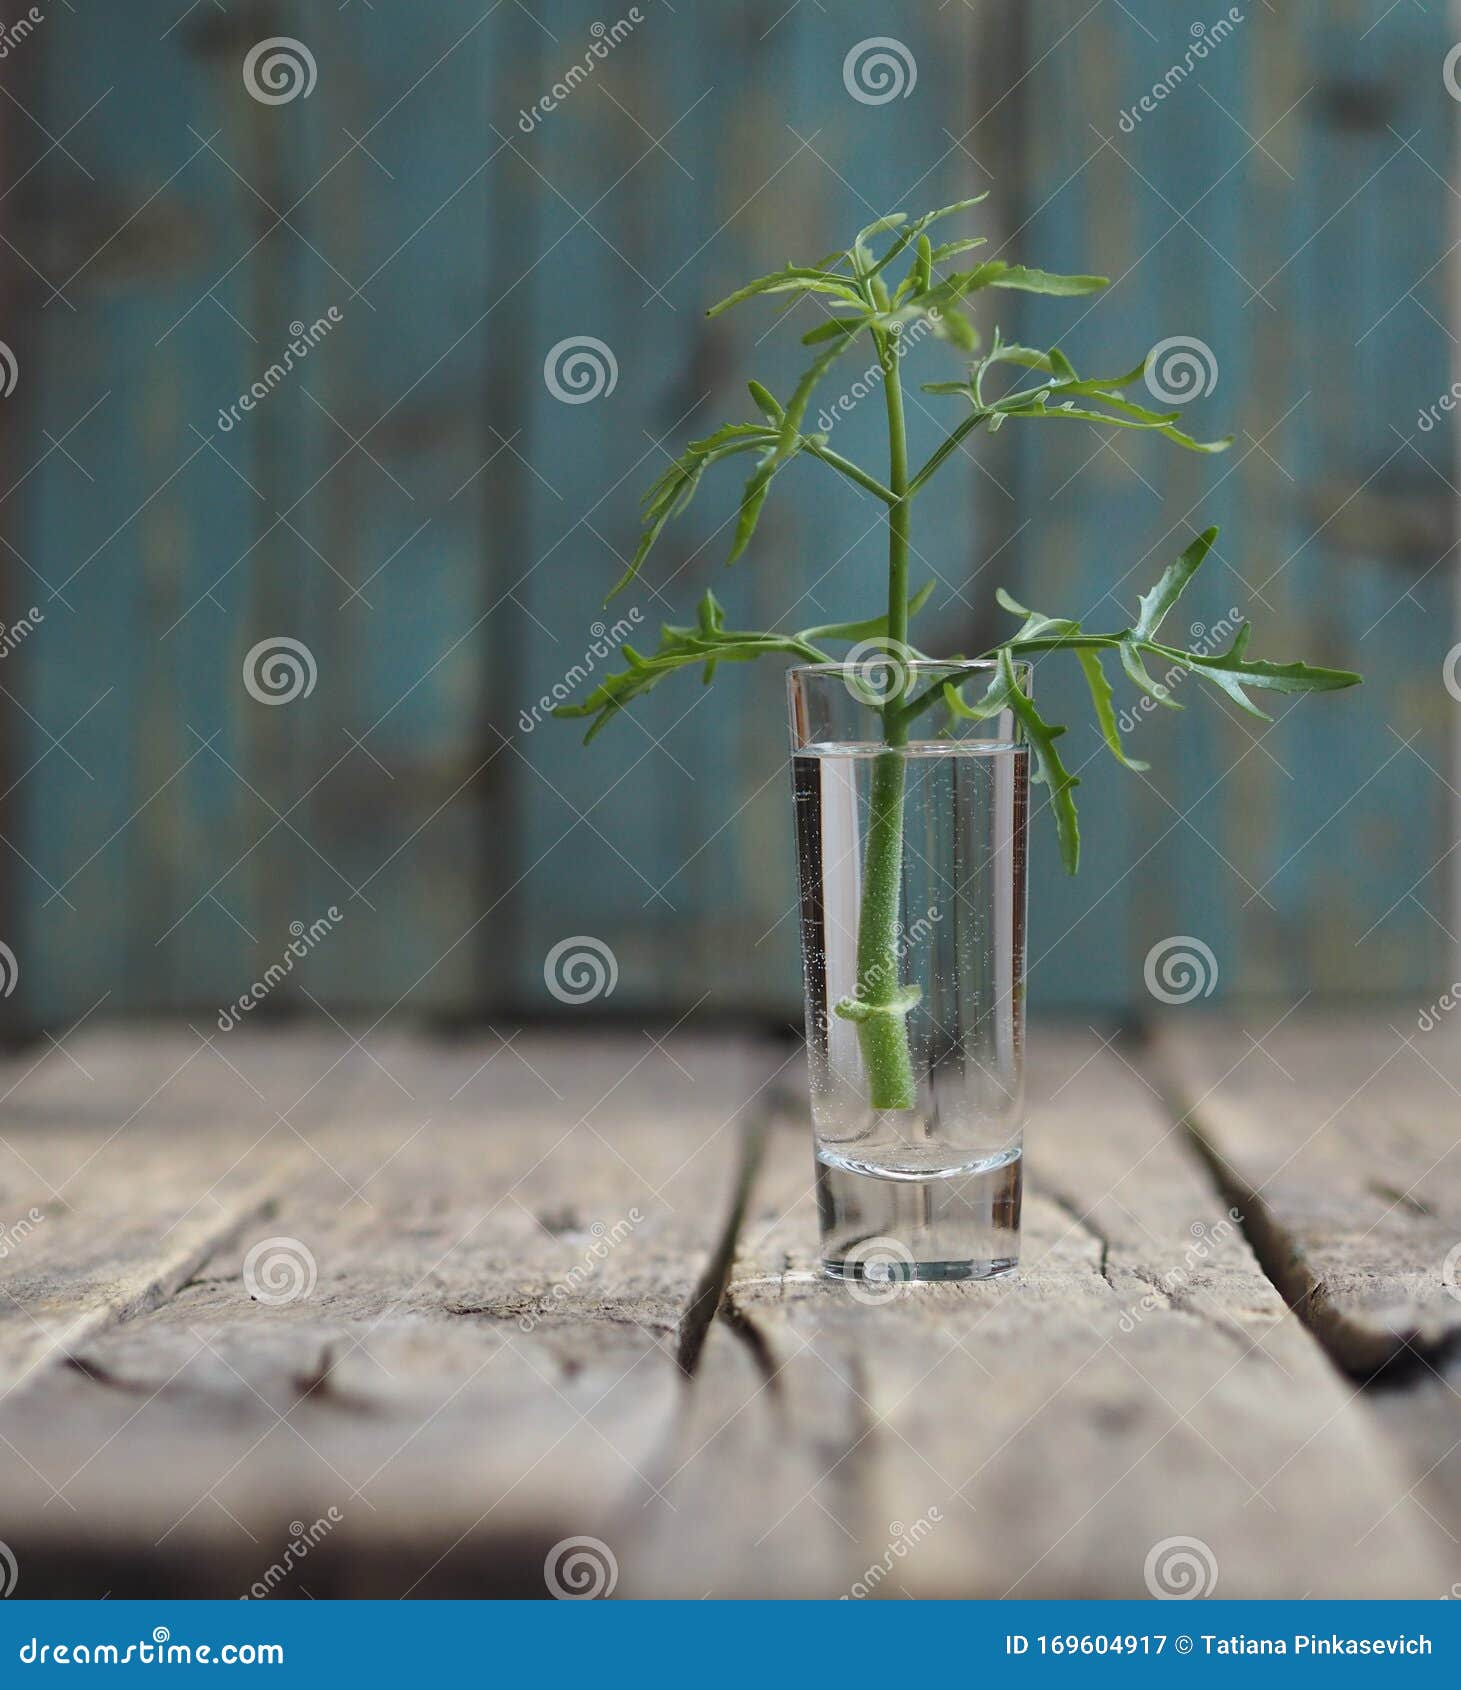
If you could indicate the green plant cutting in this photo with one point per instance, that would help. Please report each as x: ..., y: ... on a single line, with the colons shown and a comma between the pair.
x: 865, y: 300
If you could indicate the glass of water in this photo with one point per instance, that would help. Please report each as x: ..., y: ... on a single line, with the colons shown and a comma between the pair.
x: 911, y: 855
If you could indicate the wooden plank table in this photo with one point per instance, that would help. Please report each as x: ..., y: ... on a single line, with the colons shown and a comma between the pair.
x: 284, y: 1314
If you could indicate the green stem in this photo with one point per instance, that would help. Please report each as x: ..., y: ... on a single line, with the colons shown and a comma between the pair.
x: 882, y: 1003
x: 852, y: 471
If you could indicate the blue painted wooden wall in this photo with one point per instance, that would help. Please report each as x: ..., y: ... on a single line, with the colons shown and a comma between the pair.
x: 415, y: 506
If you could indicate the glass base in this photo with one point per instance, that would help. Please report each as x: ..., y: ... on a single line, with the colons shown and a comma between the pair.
x: 919, y: 1272
x: 879, y: 1234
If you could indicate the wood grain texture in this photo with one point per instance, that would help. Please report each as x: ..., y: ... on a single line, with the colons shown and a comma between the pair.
x: 1141, y: 1381
x: 1340, y: 1147
x: 487, y: 1359
x: 1339, y: 1143
x: 559, y: 1287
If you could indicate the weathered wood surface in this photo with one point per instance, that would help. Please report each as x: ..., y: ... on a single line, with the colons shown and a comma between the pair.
x: 562, y: 1287
x: 466, y: 1383
x: 1341, y: 1146
x: 1141, y: 1381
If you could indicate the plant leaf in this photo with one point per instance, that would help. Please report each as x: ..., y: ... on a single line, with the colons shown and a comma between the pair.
x: 873, y: 627
x: 1060, y: 782
x: 1037, y: 626
x: 707, y: 643
x: 788, y: 444
x: 791, y: 279
x: 1101, y: 696
x: 834, y: 327
x: 766, y: 402
x: 1154, y: 605
x: 1136, y: 671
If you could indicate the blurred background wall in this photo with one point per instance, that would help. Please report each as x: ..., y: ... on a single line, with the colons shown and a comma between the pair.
x: 414, y: 506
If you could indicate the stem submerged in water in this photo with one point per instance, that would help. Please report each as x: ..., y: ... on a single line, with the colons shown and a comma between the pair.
x: 882, y: 1001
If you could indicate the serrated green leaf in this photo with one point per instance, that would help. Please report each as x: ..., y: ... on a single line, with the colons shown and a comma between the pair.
x: 870, y: 628
x: 1153, y: 606
x: 790, y: 280
x: 952, y: 249
x: 766, y: 402
x: 1059, y: 781
x: 997, y: 274
x: 1136, y: 671
x: 708, y: 643
x: 992, y: 702
x: 834, y: 328
x: 1101, y: 696
x: 788, y: 444
x: 1037, y: 626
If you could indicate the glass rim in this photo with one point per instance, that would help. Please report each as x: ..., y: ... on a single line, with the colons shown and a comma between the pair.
x: 914, y: 665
